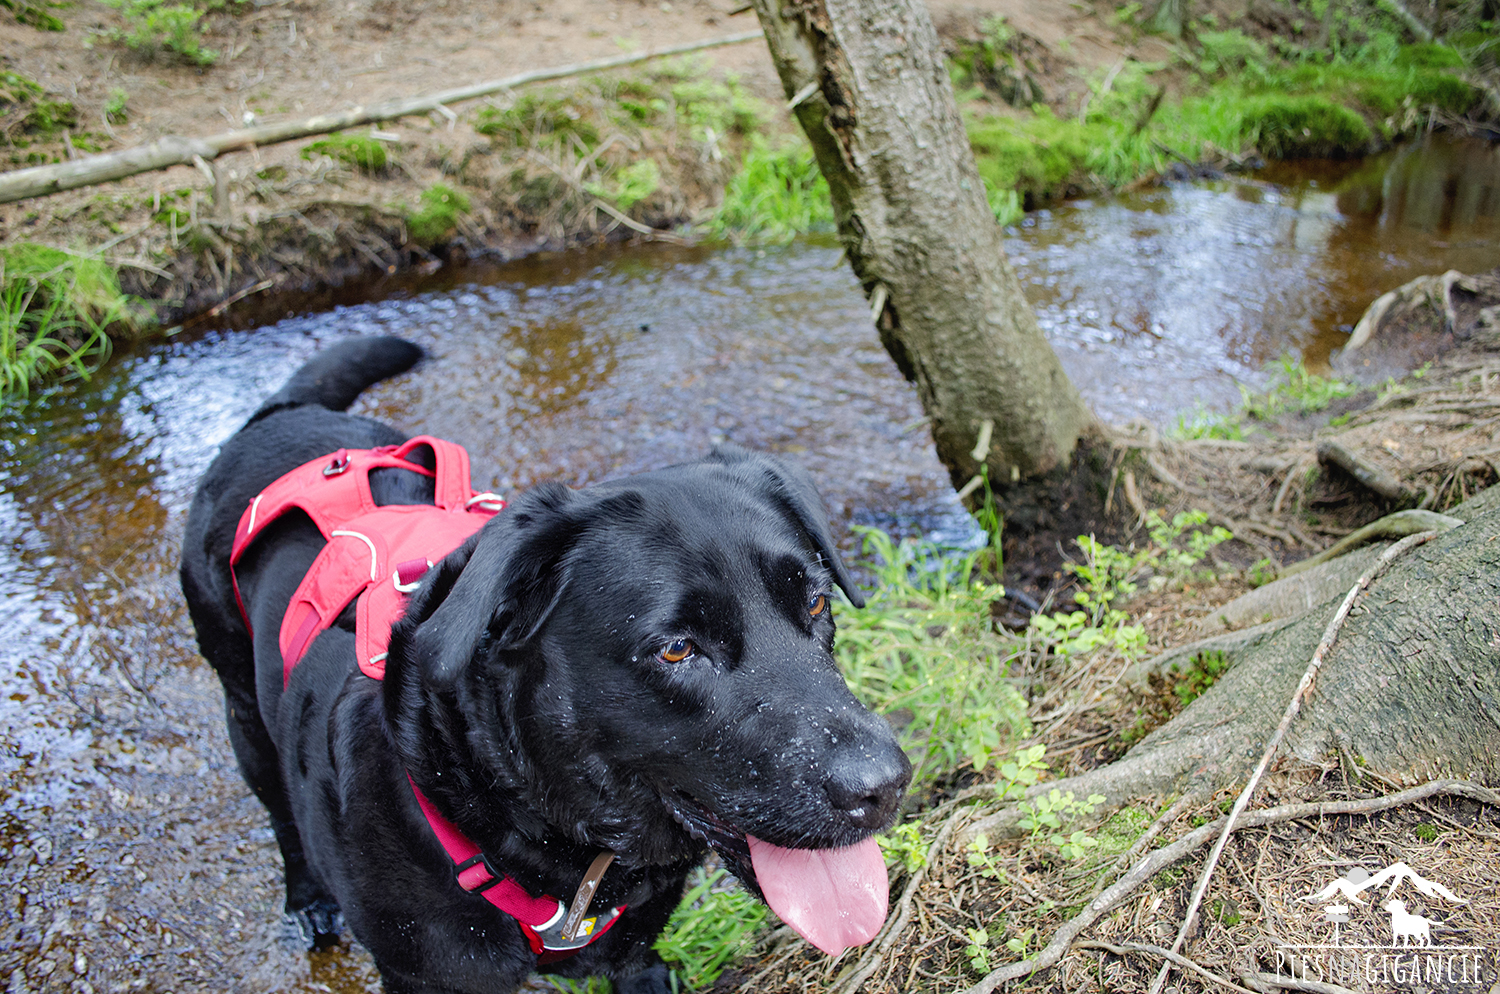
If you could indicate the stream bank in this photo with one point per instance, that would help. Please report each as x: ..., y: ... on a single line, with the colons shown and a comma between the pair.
x: 1061, y: 100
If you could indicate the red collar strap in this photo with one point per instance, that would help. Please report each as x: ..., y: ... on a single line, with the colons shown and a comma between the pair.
x: 554, y: 930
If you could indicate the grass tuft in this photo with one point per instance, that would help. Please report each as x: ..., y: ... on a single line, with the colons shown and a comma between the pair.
x: 55, y: 308
x: 715, y: 924
x: 777, y: 194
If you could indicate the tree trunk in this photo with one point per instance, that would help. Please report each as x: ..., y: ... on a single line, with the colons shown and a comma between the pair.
x: 1410, y: 689
x: 870, y: 89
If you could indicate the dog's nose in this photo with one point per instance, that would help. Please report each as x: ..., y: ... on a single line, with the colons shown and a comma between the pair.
x: 866, y: 783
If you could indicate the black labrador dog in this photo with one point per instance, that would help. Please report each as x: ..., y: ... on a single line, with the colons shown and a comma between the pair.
x: 642, y: 668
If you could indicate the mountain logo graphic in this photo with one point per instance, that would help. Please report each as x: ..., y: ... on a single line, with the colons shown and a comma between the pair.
x: 1359, y: 880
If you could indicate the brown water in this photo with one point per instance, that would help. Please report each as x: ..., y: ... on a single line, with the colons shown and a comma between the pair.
x: 135, y: 857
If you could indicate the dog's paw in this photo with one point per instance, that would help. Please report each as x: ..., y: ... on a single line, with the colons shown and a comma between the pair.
x: 317, y: 924
x: 652, y: 980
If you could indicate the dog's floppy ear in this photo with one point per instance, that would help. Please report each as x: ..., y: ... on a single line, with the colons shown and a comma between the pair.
x: 496, y: 590
x: 792, y: 488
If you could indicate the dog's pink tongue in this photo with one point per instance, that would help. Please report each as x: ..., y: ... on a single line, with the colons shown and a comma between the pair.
x: 833, y: 898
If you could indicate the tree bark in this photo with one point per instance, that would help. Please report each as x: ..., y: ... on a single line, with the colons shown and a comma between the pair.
x: 1410, y: 689
x: 870, y: 88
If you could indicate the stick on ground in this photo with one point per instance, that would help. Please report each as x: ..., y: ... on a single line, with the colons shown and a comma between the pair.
x: 172, y: 150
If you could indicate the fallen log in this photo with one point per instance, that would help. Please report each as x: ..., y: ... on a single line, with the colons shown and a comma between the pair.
x: 38, y: 181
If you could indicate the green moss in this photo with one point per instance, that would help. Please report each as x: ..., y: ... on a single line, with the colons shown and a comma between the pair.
x: 356, y: 151
x: 1284, y: 127
x: 436, y: 215
x: 1039, y: 157
x: 1430, y: 56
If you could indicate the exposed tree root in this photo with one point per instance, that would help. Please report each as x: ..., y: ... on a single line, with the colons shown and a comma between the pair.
x: 1293, y: 708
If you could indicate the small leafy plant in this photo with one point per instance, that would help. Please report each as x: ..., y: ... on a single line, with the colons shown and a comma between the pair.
x: 1046, y: 816
x: 978, y: 950
x: 904, y: 846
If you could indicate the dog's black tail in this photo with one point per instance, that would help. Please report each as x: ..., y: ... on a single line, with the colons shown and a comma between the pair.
x: 335, y: 376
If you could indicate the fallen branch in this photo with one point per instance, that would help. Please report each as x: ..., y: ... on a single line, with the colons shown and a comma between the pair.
x: 172, y: 150
x: 1370, y: 476
x: 1164, y: 857
x: 1189, y: 919
x: 1270, y: 982
x: 1120, y: 949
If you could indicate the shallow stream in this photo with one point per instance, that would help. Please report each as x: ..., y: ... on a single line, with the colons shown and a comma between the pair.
x: 136, y: 858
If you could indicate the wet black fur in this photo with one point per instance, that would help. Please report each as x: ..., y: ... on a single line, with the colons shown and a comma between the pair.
x: 525, y: 694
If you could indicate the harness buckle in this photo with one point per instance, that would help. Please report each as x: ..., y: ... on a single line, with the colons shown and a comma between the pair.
x: 478, y: 859
x: 338, y: 464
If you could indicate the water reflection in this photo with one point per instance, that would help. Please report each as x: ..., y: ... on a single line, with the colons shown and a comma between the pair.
x: 1166, y: 298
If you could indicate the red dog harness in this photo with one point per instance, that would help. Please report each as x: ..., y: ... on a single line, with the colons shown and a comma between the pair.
x: 377, y: 554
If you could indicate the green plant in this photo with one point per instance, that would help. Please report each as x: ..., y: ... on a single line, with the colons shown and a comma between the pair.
x: 1261, y: 572
x: 436, y: 215
x: 115, y: 111
x: 1046, y: 815
x: 1020, y: 772
x: 35, y: 15
x: 356, y: 151
x: 982, y: 861
x: 1223, y: 52
x: 629, y: 186
x: 926, y: 645
x: 155, y: 26
x: 1426, y: 831
x: 714, y: 924
x: 978, y: 950
x: 1021, y: 941
x: 1167, y: 557
x: 777, y: 194
x: 543, y: 118
x: 903, y: 845
x: 55, y: 309
x: 1201, y: 673
x: 1293, y: 389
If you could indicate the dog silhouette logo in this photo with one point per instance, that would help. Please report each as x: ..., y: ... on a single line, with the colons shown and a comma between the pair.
x: 1409, y: 929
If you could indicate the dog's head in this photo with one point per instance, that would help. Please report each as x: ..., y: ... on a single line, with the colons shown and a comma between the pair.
x: 649, y: 662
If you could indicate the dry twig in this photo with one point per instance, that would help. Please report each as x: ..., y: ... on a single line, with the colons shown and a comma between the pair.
x: 1164, y: 857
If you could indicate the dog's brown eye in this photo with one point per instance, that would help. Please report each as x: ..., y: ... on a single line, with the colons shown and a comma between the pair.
x: 816, y: 605
x: 676, y: 651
